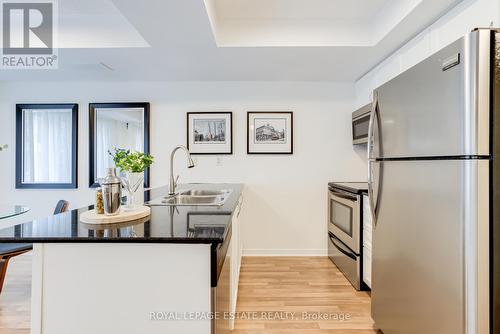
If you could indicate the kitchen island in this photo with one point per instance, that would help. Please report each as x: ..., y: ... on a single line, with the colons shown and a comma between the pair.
x: 166, y: 273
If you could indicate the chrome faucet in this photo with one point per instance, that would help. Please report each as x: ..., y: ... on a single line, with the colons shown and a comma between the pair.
x: 173, y: 181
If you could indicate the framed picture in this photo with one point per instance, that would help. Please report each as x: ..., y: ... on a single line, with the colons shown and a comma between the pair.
x: 210, y: 132
x: 270, y: 132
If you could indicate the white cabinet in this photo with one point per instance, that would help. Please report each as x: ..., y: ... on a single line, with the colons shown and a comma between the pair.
x: 236, y: 253
x: 67, y: 277
x: 367, y: 242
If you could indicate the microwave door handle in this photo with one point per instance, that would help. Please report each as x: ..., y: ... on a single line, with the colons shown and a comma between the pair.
x: 346, y: 253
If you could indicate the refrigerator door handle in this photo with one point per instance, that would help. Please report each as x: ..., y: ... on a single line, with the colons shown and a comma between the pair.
x: 371, y: 125
x: 371, y: 200
x: 371, y: 203
x: 346, y: 253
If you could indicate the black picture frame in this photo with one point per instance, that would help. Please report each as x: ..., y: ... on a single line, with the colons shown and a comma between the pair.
x: 92, y: 134
x: 249, y: 113
x: 74, y: 146
x: 230, y: 113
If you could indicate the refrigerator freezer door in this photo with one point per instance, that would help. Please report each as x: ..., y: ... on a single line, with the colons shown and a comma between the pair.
x: 440, y: 106
x: 425, y: 247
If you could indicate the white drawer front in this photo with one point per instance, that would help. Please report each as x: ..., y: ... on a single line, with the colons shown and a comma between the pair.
x: 367, y: 238
x: 367, y: 216
x: 367, y: 266
x: 367, y: 243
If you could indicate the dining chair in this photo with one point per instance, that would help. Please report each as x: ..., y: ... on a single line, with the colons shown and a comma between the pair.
x: 9, y: 250
x: 61, y: 206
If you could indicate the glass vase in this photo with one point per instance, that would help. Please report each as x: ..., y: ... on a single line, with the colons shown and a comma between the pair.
x: 132, y: 182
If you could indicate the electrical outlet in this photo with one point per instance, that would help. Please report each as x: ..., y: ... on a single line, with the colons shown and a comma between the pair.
x: 218, y: 162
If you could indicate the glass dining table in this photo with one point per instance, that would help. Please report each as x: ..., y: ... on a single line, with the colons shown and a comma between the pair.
x: 8, y: 211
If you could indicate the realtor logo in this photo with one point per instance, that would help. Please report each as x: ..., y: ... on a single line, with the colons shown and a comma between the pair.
x: 28, y: 35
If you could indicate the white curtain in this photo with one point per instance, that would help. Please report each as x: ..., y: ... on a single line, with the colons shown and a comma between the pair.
x: 113, y: 133
x: 47, y: 145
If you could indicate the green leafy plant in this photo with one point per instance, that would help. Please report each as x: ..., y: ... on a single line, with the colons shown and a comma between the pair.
x: 133, y: 162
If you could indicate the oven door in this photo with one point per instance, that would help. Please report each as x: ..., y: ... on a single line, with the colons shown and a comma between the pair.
x: 344, y: 218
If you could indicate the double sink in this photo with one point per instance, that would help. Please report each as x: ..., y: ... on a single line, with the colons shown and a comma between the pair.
x: 194, y: 197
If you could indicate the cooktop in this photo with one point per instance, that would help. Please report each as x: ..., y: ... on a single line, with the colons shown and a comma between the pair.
x: 354, y: 187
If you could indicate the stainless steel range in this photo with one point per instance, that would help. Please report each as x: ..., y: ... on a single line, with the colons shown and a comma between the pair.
x: 345, y: 227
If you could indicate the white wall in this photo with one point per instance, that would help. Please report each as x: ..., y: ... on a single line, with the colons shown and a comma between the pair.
x: 457, y: 22
x: 285, y: 203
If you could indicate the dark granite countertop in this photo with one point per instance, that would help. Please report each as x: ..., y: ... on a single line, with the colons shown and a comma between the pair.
x: 166, y: 224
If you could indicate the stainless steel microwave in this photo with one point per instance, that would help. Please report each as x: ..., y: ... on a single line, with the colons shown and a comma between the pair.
x: 360, y: 122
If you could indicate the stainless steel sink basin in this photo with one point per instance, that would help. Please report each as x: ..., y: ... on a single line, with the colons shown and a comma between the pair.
x: 202, y: 192
x: 197, y: 197
x: 191, y: 200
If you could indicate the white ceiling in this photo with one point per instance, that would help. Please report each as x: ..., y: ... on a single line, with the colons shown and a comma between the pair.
x: 93, y: 24
x: 180, y: 40
x: 299, y: 9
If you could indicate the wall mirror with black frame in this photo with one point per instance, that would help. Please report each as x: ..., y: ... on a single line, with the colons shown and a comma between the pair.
x: 46, y: 146
x: 116, y: 126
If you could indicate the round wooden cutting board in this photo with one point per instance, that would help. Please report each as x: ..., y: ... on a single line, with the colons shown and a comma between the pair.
x: 91, y: 217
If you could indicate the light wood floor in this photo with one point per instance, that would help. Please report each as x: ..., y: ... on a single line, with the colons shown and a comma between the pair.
x: 267, y: 285
x: 300, y: 284
x: 15, y: 299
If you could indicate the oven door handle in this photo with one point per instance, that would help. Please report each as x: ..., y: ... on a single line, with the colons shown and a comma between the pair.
x: 342, y: 195
x: 346, y: 253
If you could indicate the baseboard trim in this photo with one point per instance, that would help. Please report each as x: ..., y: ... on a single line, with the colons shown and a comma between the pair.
x: 285, y: 252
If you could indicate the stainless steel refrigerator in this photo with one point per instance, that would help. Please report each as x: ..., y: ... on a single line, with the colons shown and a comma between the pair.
x: 434, y: 190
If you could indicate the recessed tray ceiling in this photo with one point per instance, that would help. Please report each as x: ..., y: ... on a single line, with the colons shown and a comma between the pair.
x: 338, y: 23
